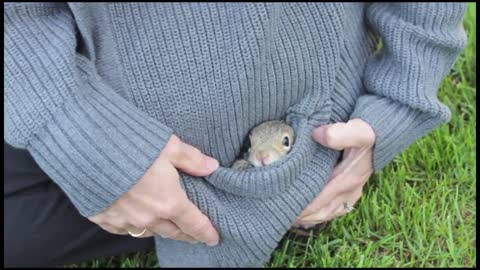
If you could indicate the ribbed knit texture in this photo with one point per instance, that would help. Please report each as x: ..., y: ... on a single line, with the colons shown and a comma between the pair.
x: 94, y: 92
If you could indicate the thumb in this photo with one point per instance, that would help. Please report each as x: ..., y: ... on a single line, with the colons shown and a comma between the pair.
x: 338, y: 136
x: 189, y: 159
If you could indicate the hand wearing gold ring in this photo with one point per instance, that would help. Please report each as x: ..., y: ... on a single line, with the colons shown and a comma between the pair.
x: 158, y: 205
x: 344, y: 189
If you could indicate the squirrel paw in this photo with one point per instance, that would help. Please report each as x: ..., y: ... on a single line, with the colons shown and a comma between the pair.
x: 242, y: 164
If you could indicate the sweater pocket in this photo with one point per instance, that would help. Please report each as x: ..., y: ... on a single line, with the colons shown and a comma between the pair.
x: 314, y: 68
x: 262, y: 182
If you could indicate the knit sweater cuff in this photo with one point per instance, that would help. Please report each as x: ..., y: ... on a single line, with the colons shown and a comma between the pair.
x: 97, y: 145
x: 396, y: 126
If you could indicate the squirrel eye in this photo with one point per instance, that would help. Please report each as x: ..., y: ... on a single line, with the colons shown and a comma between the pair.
x: 286, y: 142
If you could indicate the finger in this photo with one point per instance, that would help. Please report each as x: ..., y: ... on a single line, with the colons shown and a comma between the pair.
x: 97, y: 219
x: 166, y: 229
x: 349, y: 196
x: 354, y: 133
x: 352, y: 199
x: 314, y: 218
x: 105, y: 222
x: 333, y: 189
x: 351, y: 174
x: 186, y: 238
x: 193, y: 222
x: 147, y: 233
x: 355, y: 162
x: 332, y: 208
x: 189, y: 159
x: 356, y: 195
x: 346, y: 179
x: 340, y: 211
x: 326, y: 217
x: 112, y: 229
x: 323, y: 214
x: 321, y: 201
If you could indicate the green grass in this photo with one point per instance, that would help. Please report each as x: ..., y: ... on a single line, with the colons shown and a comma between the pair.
x: 419, y: 211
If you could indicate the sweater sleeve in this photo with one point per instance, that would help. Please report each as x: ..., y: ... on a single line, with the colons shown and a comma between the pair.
x: 421, y: 42
x: 92, y: 143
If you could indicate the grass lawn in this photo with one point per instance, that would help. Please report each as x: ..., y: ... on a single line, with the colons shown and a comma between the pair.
x: 419, y: 211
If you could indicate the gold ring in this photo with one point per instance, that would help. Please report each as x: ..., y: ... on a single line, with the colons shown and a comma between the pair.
x: 137, y: 235
x: 348, y: 206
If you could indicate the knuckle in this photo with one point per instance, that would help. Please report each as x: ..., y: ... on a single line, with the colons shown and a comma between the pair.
x: 172, y: 233
x: 159, y: 211
x: 122, y: 224
x: 175, y: 151
x: 369, y: 132
x: 142, y: 222
x: 195, y: 151
x: 332, y: 134
x: 169, y: 209
x: 367, y: 140
x: 174, y: 147
x: 173, y: 209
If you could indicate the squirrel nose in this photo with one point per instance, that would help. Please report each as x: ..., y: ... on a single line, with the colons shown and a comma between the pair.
x: 263, y: 157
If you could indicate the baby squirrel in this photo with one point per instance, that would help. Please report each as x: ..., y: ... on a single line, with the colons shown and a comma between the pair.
x: 268, y: 142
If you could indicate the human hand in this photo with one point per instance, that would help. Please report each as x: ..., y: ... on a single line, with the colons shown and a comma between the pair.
x: 356, y: 138
x: 158, y: 203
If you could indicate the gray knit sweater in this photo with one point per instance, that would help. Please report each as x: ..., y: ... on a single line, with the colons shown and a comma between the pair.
x: 94, y: 90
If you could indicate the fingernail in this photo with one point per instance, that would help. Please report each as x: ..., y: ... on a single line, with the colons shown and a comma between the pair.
x: 317, y: 133
x: 212, y: 243
x: 212, y: 164
x: 318, y: 130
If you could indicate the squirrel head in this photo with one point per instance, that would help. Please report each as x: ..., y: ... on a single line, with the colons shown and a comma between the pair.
x: 269, y: 142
